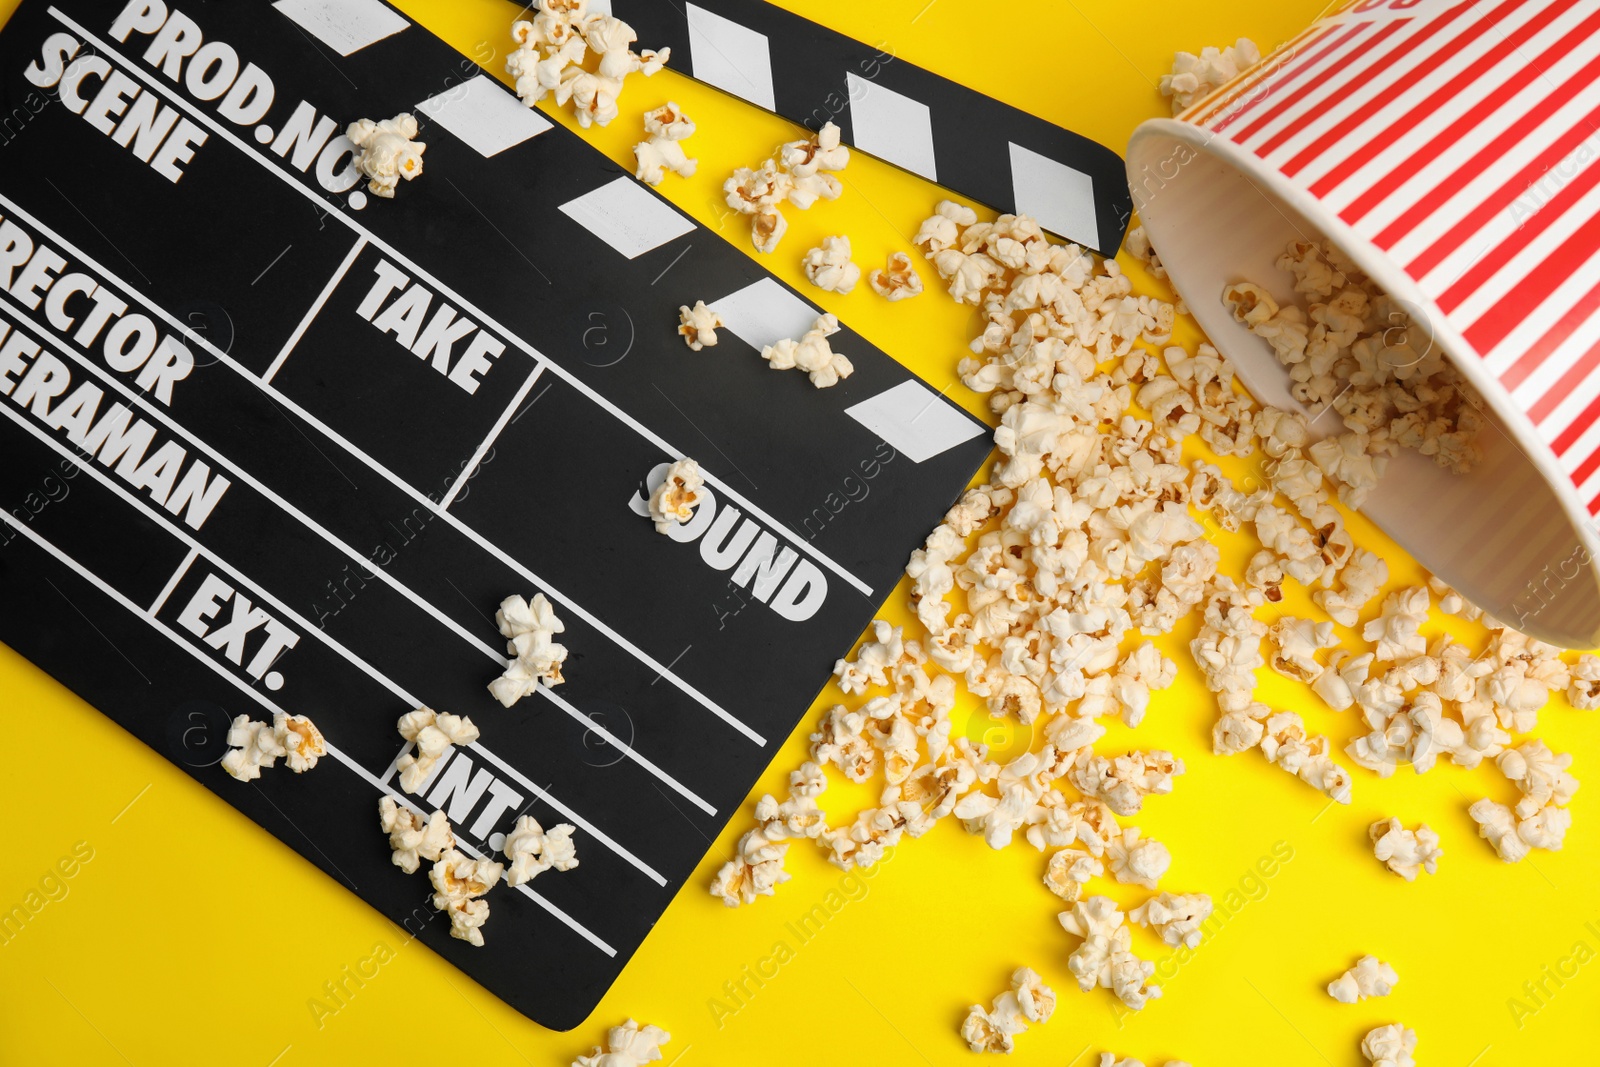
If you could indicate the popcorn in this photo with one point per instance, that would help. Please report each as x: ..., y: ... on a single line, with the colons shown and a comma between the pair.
x: 1356, y: 350
x: 528, y: 625
x: 1395, y: 630
x: 389, y: 151
x: 997, y: 818
x: 1286, y: 743
x: 1361, y: 578
x: 943, y: 229
x: 1196, y: 76
x: 935, y: 789
x: 1540, y: 818
x: 1453, y: 603
x: 1540, y: 774
x: 1105, y: 957
x: 1370, y: 977
x: 413, y: 838
x: 256, y: 745
x: 674, y: 500
x: 1086, y: 822
x: 1136, y: 860
x: 1338, y: 683
x: 1498, y: 826
x: 1137, y: 242
x: 1037, y: 1000
x: 1028, y: 1000
x: 301, y: 741
x: 1107, y: 1059
x: 670, y: 122
x: 799, y: 172
x: 667, y: 126
x: 459, y: 884
x: 898, y: 280
x: 433, y: 735
x: 1298, y: 641
x: 873, y: 660
x: 1175, y: 917
x: 1126, y: 693
x: 698, y: 325
x: 822, y: 153
x: 1069, y: 871
x: 796, y: 817
x: 1405, y: 852
x: 1227, y: 648
x: 1084, y: 534
x: 811, y: 354
x: 1348, y: 459
x: 756, y: 871
x: 840, y: 740
x: 1124, y: 781
x: 751, y: 190
x: 550, y: 54
x: 829, y: 267
x: 628, y: 1045
x: 1240, y: 729
x: 533, y: 849
x: 1583, y: 691
x: 1390, y: 1046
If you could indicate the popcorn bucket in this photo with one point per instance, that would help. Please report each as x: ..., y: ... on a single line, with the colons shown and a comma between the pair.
x: 1447, y: 146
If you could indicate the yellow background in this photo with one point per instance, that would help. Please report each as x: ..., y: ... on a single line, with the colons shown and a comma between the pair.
x: 195, y: 937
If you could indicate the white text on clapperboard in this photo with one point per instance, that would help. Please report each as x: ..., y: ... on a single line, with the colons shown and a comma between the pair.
x: 92, y: 322
x: 159, y: 134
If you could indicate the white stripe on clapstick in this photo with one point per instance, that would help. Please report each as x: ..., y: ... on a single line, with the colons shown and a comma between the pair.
x: 346, y: 26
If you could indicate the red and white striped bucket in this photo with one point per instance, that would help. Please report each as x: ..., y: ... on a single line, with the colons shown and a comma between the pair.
x: 1450, y: 148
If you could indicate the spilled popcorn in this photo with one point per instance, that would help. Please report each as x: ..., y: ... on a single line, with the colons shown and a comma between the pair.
x: 551, y: 58
x: 1390, y: 1046
x: 813, y: 354
x: 413, y: 838
x: 1108, y: 1059
x: 1195, y: 76
x: 1540, y: 819
x: 1039, y: 596
x: 667, y: 126
x: 1105, y: 957
x: 459, y: 883
x: 256, y: 745
x: 1405, y: 852
x: 993, y: 1029
x: 1370, y: 977
x: 389, y: 151
x: 528, y: 627
x: 800, y: 172
x: 829, y: 267
x: 433, y: 734
x: 674, y: 500
x: 758, y: 868
x: 898, y: 280
x: 532, y: 849
x: 698, y: 325
x: 628, y: 1045
x: 1174, y: 917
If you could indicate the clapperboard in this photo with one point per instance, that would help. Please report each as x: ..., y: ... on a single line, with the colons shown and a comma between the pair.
x: 894, y: 110
x: 270, y: 442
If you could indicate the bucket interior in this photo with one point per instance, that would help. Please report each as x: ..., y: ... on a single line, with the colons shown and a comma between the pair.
x: 1499, y: 533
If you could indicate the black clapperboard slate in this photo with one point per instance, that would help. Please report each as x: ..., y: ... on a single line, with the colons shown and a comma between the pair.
x: 883, y: 105
x: 419, y: 406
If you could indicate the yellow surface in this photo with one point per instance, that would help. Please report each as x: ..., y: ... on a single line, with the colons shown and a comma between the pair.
x: 192, y: 936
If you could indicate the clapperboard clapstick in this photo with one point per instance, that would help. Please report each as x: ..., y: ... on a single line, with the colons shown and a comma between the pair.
x: 884, y: 106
